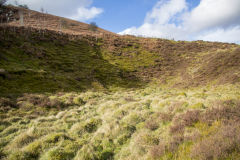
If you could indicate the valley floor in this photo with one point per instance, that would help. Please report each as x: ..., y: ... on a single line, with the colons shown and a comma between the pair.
x: 103, y: 97
x: 156, y: 122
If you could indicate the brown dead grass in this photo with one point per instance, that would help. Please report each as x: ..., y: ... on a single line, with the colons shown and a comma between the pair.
x: 39, y: 20
x: 175, y: 57
x: 222, y: 66
x: 183, y: 120
x: 220, y: 145
x: 222, y: 110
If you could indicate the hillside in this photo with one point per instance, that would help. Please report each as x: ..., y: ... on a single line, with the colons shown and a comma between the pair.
x: 51, y: 62
x: 74, y: 94
x: 186, y: 63
x: 40, y: 20
x: 45, y: 61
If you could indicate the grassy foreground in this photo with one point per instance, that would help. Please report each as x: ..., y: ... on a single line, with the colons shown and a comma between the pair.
x: 89, y: 98
x: 152, y: 123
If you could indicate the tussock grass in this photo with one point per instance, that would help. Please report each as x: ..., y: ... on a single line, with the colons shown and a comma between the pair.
x: 149, y: 123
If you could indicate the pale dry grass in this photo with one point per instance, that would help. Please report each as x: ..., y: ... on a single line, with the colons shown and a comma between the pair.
x: 150, y: 123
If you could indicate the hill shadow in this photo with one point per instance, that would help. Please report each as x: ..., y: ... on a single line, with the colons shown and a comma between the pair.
x: 38, y: 61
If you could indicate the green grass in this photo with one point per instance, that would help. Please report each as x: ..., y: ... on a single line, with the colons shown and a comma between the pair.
x: 64, y: 99
x: 118, y: 125
x: 38, y: 66
x: 134, y: 58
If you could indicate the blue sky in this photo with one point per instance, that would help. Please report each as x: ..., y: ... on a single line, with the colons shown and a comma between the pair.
x: 122, y: 14
x: 210, y: 20
x: 117, y: 15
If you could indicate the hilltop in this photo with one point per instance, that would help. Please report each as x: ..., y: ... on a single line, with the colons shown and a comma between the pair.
x: 38, y: 20
x: 72, y: 93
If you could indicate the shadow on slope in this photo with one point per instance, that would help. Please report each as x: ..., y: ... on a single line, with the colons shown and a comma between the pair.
x: 35, y: 61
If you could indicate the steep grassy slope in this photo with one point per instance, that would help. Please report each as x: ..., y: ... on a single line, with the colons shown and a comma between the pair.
x: 183, y: 63
x: 51, y: 62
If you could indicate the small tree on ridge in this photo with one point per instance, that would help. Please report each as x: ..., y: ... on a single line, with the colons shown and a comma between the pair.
x: 93, y: 26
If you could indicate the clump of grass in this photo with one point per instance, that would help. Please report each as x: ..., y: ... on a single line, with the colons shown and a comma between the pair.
x: 92, y: 125
x: 78, y: 101
x: 2, y: 154
x: 152, y: 124
x: 182, y: 94
x: 89, y: 126
x: 34, y: 149
x: 165, y: 117
x: 198, y: 106
x: 98, y: 149
x: 10, y: 130
x: 175, y: 142
x: 57, y: 154
x: 157, y: 151
x: 21, y: 140
x: 20, y: 156
x: 31, y: 151
x: 55, y: 137
x: 133, y: 119
x: 42, y: 101
x: 183, y: 120
x: 222, y: 110
x: 220, y: 145
x: 7, y: 104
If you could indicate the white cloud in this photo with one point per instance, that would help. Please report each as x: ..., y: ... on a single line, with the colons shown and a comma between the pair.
x: 85, y: 13
x: 211, y: 20
x: 158, y: 22
x: 81, y: 10
x: 213, y: 13
x: 224, y: 35
x: 164, y: 11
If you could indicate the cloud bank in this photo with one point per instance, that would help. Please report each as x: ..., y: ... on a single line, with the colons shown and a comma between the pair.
x: 81, y: 10
x: 211, y: 20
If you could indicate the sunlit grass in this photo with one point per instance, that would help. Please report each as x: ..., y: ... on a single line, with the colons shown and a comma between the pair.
x: 127, y: 124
